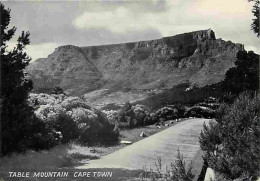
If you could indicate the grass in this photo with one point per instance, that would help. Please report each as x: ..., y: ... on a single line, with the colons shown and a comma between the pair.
x: 58, y: 157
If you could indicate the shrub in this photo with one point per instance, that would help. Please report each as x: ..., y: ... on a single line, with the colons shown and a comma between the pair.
x: 43, y: 99
x: 200, y: 112
x: 233, y: 142
x: 130, y: 116
x: 178, y: 170
x: 96, y: 130
x: 74, y: 102
x: 74, y: 119
x: 167, y: 113
x: 111, y: 115
x: 31, y: 133
x: 67, y: 126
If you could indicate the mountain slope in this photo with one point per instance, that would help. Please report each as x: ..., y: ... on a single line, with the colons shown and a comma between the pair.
x: 67, y: 67
x: 197, y: 58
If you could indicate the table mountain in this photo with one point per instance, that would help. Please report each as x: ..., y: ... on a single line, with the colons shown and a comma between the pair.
x: 197, y: 58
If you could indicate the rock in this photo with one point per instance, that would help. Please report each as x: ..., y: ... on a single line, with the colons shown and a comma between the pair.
x: 159, y: 127
x: 92, y: 150
x: 210, y: 175
x: 171, y: 122
x: 166, y: 124
x: 126, y: 142
x: 142, y: 134
x: 177, y: 120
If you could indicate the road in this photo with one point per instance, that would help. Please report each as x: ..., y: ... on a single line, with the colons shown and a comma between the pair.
x: 164, y: 144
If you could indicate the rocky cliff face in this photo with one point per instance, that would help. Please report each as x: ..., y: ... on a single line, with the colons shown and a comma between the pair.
x: 196, y: 57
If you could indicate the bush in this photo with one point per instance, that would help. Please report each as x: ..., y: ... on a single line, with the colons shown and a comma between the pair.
x: 130, y: 116
x: 74, y: 119
x: 96, y: 131
x: 166, y: 113
x: 233, y: 142
x: 30, y: 133
x: 74, y: 102
x: 200, y: 112
x: 111, y: 115
x: 67, y: 126
x: 178, y: 170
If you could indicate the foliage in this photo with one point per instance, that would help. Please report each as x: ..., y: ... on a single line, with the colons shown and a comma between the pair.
x: 111, y: 115
x: 20, y: 128
x: 130, y: 116
x: 178, y: 95
x: 244, y: 76
x: 200, y: 112
x: 74, y: 119
x: 177, y: 171
x: 166, y: 113
x: 29, y: 133
x: 256, y: 20
x: 66, y: 126
x: 232, y: 143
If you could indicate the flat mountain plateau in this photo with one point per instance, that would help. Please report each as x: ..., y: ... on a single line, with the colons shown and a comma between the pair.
x: 132, y: 71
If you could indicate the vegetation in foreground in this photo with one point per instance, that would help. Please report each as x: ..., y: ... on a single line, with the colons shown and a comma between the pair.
x: 69, y: 155
x: 176, y: 171
x: 232, y: 143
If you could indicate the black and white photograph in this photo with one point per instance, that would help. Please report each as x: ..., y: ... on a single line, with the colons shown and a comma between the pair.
x: 129, y: 90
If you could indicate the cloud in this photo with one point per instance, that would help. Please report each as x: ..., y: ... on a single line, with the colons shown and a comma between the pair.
x: 121, y: 20
x: 84, y: 23
x: 229, y: 19
x: 176, y: 17
x: 126, y: 20
x: 41, y: 50
x: 36, y: 51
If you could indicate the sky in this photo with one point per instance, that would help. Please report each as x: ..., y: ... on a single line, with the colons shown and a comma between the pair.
x: 84, y: 23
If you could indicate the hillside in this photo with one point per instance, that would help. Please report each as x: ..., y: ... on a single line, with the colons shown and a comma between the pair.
x: 196, y: 58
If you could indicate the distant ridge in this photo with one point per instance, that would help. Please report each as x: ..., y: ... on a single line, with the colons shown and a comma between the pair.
x: 196, y: 57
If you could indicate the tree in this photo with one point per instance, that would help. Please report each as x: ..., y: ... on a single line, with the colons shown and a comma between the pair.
x: 14, y: 86
x: 232, y: 143
x: 256, y: 20
x: 244, y: 76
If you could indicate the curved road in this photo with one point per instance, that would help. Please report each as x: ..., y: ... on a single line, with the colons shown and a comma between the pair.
x: 163, y: 144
